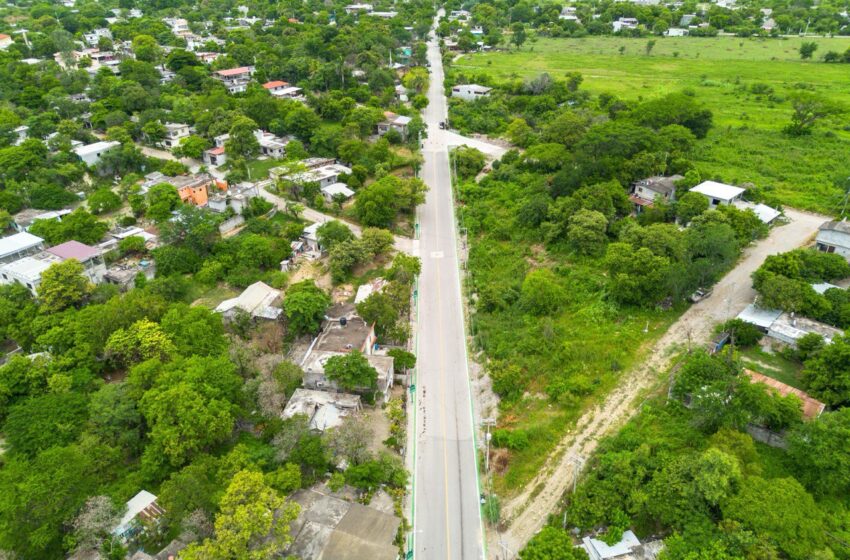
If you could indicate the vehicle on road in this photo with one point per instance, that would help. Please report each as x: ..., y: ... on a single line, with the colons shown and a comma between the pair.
x: 699, y: 295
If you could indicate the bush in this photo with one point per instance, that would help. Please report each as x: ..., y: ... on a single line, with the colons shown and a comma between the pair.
x: 745, y: 334
x: 515, y: 440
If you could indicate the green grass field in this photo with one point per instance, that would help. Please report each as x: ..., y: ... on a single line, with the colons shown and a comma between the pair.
x: 746, y: 143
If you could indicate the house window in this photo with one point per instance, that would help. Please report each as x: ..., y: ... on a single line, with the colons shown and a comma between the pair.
x: 715, y: 201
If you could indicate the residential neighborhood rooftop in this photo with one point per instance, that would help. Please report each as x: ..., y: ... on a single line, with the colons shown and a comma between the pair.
x: 18, y: 242
x: 812, y: 408
x: 74, y: 250
x: 718, y: 190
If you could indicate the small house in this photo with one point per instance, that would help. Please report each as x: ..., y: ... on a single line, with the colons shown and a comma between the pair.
x: 395, y: 122
x: 271, y: 145
x: 257, y: 300
x: 629, y: 548
x: 23, y: 220
x: 310, y: 237
x: 90, y: 257
x: 142, y: 511
x: 358, y: 8
x: 19, y: 245
x: 91, y: 153
x: 174, y: 133
x: 335, y: 191
x: 236, y: 197
x: 718, y: 193
x: 235, y: 79
x: 624, y: 23
x: 470, y: 92
x: 834, y: 237
x: 215, y: 156
x: 647, y: 191
x: 324, y: 410
x: 6, y: 41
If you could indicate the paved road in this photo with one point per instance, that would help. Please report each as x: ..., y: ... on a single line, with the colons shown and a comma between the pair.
x: 526, y: 512
x: 447, y: 520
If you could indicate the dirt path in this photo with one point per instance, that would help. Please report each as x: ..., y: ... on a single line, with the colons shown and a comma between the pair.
x: 526, y: 513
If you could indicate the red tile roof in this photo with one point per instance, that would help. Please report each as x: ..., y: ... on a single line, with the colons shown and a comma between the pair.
x: 217, y: 151
x: 275, y: 84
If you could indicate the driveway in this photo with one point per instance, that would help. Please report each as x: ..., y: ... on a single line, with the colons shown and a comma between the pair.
x: 403, y: 244
x: 527, y: 512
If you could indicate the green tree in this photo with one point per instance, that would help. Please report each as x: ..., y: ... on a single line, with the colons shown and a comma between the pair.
x: 162, y: 200
x: 551, y: 543
x: 63, y: 285
x: 519, y: 34
x: 332, y: 233
x: 378, y: 309
x: 305, y: 305
x: 689, y: 206
x: 242, y: 142
x: 146, y: 48
x: 809, y: 108
x: 826, y: 375
x: 45, y: 421
x: 807, y: 49
x: 141, y: 341
x: 103, y: 200
x: 821, y: 452
x: 352, y: 371
x: 253, y: 522
x: 468, y: 162
x: 586, y: 232
x: 114, y: 416
x: 782, y: 511
x: 194, y: 330
x: 184, y: 421
x: 192, y: 146
x: 541, y: 293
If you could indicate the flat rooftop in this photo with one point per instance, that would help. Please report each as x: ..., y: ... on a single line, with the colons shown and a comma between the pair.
x: 354, y: 335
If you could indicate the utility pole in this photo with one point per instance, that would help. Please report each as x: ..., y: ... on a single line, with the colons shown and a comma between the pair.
x: 578, y: 464
x: 487, y: 422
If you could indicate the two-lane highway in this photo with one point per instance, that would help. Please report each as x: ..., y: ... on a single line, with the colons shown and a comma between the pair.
x: 447, y: 517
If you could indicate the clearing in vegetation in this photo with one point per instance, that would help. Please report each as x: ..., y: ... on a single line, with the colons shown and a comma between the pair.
x: 746, y: 84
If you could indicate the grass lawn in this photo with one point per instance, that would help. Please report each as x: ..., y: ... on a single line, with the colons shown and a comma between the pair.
x: 211, y: 297
x: 746, y: 143
x: 772, y: 365
x: 259, y: 169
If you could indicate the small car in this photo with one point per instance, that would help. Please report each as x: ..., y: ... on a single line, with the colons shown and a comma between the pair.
x: 699, y: 295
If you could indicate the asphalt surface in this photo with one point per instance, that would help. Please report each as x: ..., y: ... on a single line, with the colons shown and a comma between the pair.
x: 447, y: 520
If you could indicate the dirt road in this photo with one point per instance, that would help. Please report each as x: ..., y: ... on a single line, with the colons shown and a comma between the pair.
x: 526, y: 513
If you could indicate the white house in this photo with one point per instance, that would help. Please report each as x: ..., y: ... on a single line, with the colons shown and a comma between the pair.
x: 357, y: 8
x: 676, y: 32
x: 470, y: 92
x: 271, y: 145
x: 325, y: 410
x: 311, y: 237
x: 91, y: 153
x: 92, y: 39
x: 647, y: 191
x: 718, y: 193
x: 282, y: 89
x: 325, y: 176
x: 174, y: 133
x: 27, y: 271
x: 19, y: 245
x: 23, y: 220
x: 178, y: 25
x: 142, y: 509
x: 236, y: 197
x: 336, y: 189
x: 395, y: 122
x: 215, y: 156
x: 624, y: 23
x: 629, y: 548
x: 257, y: 301
x: 235, y: 79
x: 834, y: 237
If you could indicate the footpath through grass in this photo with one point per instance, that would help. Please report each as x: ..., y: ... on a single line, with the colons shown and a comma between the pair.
x: 745, y: 82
